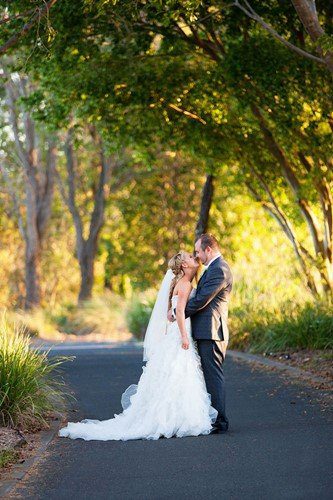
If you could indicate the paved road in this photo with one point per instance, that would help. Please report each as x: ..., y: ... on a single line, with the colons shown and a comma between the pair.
x: 279, y: 445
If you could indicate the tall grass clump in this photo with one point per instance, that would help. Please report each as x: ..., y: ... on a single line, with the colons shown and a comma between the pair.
x: 138, y: 315
x: 290, y: 326
x: 102, y: 314
x: 30, y: 386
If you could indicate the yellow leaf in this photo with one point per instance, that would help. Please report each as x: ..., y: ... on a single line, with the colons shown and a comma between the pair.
x: 323, y: 128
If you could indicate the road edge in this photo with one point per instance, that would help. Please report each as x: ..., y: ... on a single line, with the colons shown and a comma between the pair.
x: 293, y: 370
x: 18, y: 471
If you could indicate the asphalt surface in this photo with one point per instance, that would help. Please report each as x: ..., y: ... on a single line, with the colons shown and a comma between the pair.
x: 279, y: 444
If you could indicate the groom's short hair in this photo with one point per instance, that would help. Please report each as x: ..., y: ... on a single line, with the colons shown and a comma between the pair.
x: 208, y: 240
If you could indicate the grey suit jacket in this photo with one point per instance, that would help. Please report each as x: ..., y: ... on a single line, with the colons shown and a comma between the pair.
x: 208, y: 309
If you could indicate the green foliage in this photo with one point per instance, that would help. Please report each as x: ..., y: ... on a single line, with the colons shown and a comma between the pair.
x: 326, y: 42
x: 150, y: 218
x: 8, y: 457
x: 173, y: 111
x: 296, y: 326
x: 138, y: 314
x: 30, y: 386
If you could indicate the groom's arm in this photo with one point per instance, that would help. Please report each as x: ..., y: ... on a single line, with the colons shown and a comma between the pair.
x: 211, y: 288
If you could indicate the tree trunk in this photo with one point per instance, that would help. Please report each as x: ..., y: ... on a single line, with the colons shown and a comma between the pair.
x: 87, y: 273
x: 32, y: 298
x: 206, y: 203
x: 307, y: 12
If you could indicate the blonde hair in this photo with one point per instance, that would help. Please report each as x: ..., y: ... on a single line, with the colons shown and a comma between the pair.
x: 175, y: 264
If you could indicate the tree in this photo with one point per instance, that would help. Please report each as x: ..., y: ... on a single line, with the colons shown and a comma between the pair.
x: 33, y: 16
x: 206, y: 77
x: 150, y: 217
x: 308, y: 15
x: 86, y: 246
x: 34, y: 161
x: 196, y: 27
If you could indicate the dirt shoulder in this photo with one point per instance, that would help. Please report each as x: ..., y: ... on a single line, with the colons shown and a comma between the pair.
x: 318, y: 362
x: 18, y: 450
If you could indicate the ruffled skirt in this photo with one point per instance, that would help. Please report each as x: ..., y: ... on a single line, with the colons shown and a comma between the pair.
x: 170, y: 399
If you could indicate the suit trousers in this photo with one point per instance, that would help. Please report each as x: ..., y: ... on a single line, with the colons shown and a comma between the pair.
x: 212, y: 358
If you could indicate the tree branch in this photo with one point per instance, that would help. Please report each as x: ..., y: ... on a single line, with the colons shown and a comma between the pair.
x: 291, y: 179
x: 40, y: 12
x: 97, y: 217
x: 70, y: 166
x: 287, y: 229
x: 307, y: 12
x: 250, y: 12
x: 17, y: 16
x: 187, y: 113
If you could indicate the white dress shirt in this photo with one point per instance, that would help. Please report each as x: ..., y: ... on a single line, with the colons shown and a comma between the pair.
x: 214, y: 258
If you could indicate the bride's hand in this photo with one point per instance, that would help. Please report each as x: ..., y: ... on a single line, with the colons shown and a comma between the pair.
x: 185, y: 342
x: 170, y: 317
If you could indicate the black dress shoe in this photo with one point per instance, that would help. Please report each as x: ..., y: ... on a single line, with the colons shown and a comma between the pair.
x: 218, y: 430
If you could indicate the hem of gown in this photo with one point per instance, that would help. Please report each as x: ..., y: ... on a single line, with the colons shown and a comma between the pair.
x: 147, y: 438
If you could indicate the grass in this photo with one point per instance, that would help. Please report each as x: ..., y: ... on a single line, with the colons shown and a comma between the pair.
x: 272, y: 314
x: 293, y: 326
x: 30, y: 384
x: 102, y: 315
x: 262, y: 320
x: 265, y: 315
x: 7, y: 457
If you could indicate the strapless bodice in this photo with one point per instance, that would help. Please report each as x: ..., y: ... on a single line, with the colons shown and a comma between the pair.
x: 174, y: 298
x: 174, y: 301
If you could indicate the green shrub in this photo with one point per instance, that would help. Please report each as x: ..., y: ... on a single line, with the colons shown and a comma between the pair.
x: 138, y: 315
x: 294, y: 326
x: 102, y: 314
x: 30, y: 386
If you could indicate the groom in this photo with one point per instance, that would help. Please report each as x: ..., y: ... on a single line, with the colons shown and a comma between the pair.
x: 208, y: 310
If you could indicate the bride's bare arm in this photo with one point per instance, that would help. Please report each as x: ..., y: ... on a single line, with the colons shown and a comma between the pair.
x: 184, y: 290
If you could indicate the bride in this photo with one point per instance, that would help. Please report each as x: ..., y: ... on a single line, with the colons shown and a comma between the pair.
x: 170, y: 398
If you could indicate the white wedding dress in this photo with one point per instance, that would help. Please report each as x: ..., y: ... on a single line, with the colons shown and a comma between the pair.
x: 170, y: 398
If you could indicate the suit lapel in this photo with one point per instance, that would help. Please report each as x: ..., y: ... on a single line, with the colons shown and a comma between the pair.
x: 202, y: 278
x: 216, y: 261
